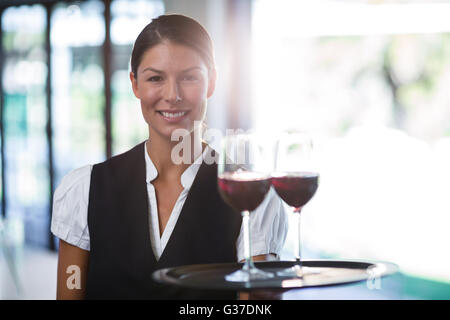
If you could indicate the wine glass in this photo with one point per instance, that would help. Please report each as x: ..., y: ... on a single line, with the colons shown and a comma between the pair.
x: 295, y: 179
x: 244, y: 180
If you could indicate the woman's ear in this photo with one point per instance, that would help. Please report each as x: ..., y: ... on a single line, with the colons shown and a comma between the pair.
x: 212, y: 76
x: 134, y: 84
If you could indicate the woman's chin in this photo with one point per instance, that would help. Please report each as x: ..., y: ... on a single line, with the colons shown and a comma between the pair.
x: 172, y: 134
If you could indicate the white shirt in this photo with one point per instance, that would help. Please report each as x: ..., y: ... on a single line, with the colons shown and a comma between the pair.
x: 268, y: 223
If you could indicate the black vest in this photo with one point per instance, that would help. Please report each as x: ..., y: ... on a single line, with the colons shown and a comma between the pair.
x: 121, y: 260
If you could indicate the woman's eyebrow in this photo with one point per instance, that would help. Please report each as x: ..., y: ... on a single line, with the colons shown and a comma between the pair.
x: 152, y: 69
x: 191, y: 68
x: 161, y: 72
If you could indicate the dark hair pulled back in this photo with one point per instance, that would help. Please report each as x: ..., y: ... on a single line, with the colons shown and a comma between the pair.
x: 177, y: 28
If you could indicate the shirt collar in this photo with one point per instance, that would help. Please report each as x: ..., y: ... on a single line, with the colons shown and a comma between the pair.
x: 188, y: 176
x: 151, y: 172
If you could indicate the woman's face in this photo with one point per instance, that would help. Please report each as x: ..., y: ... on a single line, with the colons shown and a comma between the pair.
x: 173, y: 85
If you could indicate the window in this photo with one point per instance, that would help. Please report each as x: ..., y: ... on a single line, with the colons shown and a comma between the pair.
x: 25, y: 114
x: 370, y: 81
x: 77, y: 37
x: 73, y: 109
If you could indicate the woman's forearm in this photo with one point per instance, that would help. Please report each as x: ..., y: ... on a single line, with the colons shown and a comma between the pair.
x: 72, y: 272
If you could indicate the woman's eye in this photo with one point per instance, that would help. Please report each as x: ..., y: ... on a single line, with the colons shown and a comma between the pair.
x: 155, y: 78
x: 190, y: 78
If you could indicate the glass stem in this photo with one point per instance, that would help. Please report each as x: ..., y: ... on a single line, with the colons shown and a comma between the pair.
x: 248, y: 265
x: 298, y: 250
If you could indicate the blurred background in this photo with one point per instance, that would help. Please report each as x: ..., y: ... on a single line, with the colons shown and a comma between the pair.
x: 368, y: 79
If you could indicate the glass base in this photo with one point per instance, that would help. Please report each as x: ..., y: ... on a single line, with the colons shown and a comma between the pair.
x: 243, y: 275
x: 293, y: 272
x: 297, y: 271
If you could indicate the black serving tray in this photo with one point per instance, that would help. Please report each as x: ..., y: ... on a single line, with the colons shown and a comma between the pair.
x: 316, y: 273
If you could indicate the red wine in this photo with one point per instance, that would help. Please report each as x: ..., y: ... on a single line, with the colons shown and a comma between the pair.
x: 296, y: 189
x: 243, y: 190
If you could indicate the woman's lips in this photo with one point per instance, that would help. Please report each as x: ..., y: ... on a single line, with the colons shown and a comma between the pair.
x: 173, y: 116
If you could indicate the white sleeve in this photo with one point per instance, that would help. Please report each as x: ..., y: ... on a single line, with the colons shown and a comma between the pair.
x: 268, y: 228
x: 70, y: 207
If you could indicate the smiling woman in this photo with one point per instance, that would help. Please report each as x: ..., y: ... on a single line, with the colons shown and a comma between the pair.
x: 140, y: 211
x: 171, y: 94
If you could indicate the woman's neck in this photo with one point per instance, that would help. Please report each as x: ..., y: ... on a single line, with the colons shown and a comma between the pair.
x: 172, y: 158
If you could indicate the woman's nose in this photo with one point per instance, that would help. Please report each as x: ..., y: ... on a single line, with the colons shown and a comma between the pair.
x: 172, y: 92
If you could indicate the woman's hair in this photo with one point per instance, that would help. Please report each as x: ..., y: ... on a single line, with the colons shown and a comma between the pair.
x: 177, y: 28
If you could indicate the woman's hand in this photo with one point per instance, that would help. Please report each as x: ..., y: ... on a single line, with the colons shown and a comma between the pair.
x: 265, y: 257
x: 72, y: 272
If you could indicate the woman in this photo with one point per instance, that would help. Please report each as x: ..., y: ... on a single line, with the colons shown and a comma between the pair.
x: 137, y: 212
